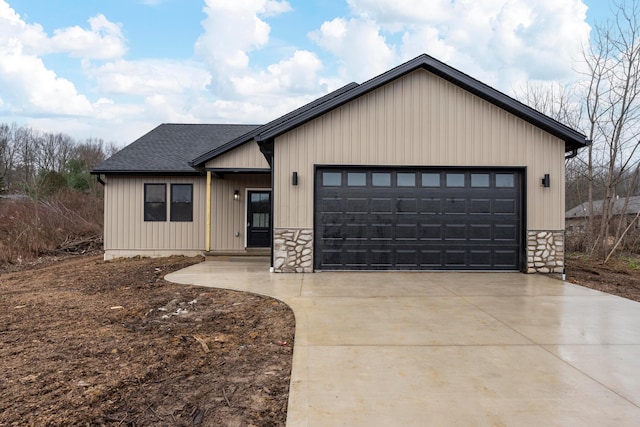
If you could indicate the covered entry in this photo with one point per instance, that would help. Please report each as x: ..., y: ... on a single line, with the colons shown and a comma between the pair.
x: 418, y: 218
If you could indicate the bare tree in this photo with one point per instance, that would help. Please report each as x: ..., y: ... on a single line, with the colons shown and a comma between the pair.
x: 613, y: 110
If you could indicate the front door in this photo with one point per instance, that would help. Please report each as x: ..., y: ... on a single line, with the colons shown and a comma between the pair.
x: 259, y: 219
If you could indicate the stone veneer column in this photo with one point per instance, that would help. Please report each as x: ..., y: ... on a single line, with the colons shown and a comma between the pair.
x: 545, y: 251
x: 293, y: 250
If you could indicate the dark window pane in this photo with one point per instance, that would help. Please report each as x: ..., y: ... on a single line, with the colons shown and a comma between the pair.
x: 381, y: 179
x: 431, y: 180
x: 155, y: 202
x: 504, y: 180
x: 181, y: 202
x: 455, y: 180
x: 406, y: 179
x: 479, y: 179
x: 155, y: 193
x: 331, y: 179
x: 356, y: 179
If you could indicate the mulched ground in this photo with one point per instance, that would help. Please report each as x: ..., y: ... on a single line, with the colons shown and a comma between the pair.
x: 94, y: 343
x: 618, y: 277
x: 88, y: 342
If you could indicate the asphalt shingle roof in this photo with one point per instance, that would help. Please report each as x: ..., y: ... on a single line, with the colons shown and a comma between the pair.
x: 170, y: 147
x: 581, y: 211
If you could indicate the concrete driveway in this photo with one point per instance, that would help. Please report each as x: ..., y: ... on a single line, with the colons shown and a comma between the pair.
x: 448, y: 349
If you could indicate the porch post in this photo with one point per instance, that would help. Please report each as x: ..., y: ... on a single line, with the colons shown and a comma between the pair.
x: 207, y: 237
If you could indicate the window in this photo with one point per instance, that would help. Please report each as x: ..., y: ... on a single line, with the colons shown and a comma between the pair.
x: 431, y: 180
x: 331, y: 179
x: 455, y: 180
x: 479, y: 179
x: 356, y: 179
x: 381, y: 179
x: 406, y: 180
x: 182, y: 202
x: 504, y: 180
x: 155, y: 202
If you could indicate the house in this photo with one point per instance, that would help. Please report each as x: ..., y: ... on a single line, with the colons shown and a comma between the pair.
x: 576, y: 218
x: 420, y: 168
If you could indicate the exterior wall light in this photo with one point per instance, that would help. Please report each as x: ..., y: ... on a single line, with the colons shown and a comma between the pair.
x: 294, y: 178
x: 236, y: 195
x: 546, y: 181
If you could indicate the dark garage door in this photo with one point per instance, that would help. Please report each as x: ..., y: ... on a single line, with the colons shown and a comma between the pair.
x: 418, y: 219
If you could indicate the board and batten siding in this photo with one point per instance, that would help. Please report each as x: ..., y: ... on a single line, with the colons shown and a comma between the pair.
x: 247, y: 155
x: 126, y: 233
x: 229, y: 216
x: 418, y: 120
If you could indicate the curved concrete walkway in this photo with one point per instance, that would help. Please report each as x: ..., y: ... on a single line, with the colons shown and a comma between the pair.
x: 448, y: 349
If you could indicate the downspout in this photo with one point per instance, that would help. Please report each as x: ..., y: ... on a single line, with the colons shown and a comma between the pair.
x: 571, y: 155
x: 207, y: 237
x: 99, y: 178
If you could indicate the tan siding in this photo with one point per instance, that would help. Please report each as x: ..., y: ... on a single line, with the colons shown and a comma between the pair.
x: 247, y: 155
x: 419, y: 120
x: 125, y: 228
x: 229, y: 216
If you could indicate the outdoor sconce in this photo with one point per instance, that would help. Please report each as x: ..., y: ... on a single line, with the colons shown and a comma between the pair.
x: 546, y: 182
x: 294, y: 178
x: 236, y: 195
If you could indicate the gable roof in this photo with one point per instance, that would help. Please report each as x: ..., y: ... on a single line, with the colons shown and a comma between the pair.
x: 169, y: 148
x: 582, y: 210
x: 216, y: 151
x: 572, y: 138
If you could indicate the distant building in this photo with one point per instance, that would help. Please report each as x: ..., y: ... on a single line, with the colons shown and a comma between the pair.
x: 576, y: 218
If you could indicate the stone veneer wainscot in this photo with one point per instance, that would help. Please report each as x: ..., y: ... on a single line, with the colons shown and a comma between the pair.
x: 293, y: 250
x: 545, y: 251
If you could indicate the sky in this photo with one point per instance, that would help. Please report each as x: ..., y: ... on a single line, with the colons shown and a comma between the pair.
x: 115, y: 69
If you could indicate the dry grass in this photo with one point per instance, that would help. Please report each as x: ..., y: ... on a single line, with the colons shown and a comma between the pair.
x: 30, y: 228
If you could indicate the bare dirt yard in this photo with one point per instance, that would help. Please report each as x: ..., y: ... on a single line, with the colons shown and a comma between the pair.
x: 619, y: 276
x: 92, y: 343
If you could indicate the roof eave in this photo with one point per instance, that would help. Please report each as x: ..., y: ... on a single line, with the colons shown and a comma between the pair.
x: 249, y: 136
x: 145, y: 172
x: 572, y: 138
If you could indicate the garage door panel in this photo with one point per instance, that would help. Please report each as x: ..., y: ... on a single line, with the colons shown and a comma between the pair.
x: 480, y: 232
x: 407, y: 232
x: 455, y: 232
x: 455, y: 206
x: 418, y: 219
x: 431, y: 206
x: 383, y: 206
x: 356, y: 205
x: 480, y: 206
x: 505, y: 207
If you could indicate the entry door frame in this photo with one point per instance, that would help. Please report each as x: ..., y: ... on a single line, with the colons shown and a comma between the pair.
x: 246, y: 215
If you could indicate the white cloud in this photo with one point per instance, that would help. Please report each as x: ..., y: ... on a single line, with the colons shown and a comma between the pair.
x: 104, y: 41
x: 497, y: 39
x: 145, y: 77
x: 29, y: 86
x: 233, y: 29
x: 358, y: 44
x: 501, y: 42
x: 298, y: 74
